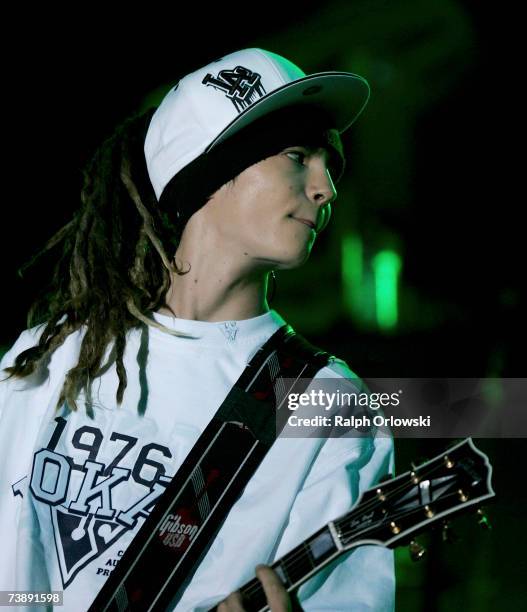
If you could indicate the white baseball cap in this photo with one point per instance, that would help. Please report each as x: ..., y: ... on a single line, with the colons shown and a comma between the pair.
x: 211, y: 104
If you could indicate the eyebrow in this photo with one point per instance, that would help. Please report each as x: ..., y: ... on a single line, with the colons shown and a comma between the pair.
x: 311, y: 150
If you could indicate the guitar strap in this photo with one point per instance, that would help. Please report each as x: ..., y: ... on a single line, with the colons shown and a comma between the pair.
x: 164, y: 555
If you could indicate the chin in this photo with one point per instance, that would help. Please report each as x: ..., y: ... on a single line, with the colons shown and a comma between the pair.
x: 295, y: 260
x: 295, y: 255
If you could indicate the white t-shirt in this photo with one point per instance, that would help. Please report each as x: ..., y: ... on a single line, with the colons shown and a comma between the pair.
x: 65, y: 476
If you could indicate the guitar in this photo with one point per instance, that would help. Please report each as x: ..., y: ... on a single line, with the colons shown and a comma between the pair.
x: 390, y: 514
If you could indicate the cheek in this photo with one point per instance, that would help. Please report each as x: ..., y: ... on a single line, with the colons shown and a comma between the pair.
x: 251, y: 215
x: 261, y: 214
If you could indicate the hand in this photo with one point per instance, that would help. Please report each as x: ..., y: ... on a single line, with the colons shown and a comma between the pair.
x: 277, y: 597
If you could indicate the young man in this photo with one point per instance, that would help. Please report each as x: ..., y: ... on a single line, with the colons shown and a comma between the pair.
x: 157, y: 303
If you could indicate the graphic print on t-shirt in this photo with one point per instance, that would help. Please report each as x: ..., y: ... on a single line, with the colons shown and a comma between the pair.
x: 80, y: 488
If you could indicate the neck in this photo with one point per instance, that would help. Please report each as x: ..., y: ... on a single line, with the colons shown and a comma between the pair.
x: 220, y: 284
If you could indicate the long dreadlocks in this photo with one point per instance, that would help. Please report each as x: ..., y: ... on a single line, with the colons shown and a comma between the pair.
x: 113, y: 269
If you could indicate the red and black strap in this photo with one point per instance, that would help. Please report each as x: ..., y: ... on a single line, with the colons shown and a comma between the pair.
x: 164, y: 555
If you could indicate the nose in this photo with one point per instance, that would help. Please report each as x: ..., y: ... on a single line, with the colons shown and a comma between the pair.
x: 320, y: 187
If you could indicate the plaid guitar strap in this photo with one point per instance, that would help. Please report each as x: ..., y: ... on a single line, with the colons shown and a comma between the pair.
x: 165, y: 553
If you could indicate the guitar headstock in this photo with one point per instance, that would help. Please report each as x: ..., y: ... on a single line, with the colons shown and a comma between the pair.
x: 393, y: 512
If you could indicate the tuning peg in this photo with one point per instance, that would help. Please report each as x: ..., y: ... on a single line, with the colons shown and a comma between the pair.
x: 394, y: 528
x: 448, y: 462
x: 417, y: 552
x: 448, y: 534
x: 462, y: 495
x: 483, y: 520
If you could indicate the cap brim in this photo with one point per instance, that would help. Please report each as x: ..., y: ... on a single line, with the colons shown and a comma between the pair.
x: 343, y: 95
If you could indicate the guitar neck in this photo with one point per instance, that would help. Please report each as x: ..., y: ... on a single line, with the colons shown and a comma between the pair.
x: 388, y: 514
x: 296, y: 567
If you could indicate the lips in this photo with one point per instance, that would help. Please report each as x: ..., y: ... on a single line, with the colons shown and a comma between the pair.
x: 306, y: 222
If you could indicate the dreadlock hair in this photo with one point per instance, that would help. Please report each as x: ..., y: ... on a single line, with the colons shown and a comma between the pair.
x: 113, y: 269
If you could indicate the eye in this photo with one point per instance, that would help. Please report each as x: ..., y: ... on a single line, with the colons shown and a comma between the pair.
x: 300, y: 156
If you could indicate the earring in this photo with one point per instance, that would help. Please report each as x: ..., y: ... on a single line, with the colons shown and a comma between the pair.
x: 273, y: 291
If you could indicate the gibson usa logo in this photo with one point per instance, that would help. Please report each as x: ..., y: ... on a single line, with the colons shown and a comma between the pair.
x: 176, y: 534
x: 241, y: 85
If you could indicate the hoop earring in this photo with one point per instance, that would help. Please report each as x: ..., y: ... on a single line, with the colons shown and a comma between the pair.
x: 273, y: 291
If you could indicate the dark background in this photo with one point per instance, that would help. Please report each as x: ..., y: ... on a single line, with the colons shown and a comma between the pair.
x: 431, y: 175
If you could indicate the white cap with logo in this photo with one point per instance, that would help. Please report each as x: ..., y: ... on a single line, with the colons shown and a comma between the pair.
x: 211, y: 104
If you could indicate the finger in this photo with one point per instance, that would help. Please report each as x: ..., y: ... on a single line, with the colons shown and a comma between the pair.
x: 277, y: 597
x: 233, y: 603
